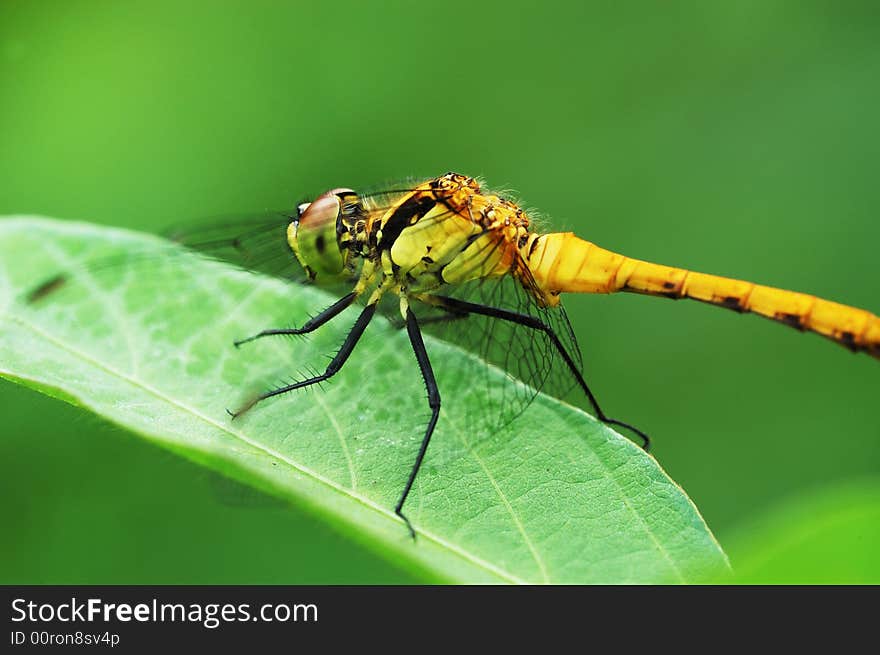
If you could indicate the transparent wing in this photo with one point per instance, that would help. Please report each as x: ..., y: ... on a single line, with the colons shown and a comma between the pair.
x: 254, y: 242
x: 528, y: 356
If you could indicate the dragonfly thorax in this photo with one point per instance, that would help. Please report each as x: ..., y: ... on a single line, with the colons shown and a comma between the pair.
x: 445, y: 231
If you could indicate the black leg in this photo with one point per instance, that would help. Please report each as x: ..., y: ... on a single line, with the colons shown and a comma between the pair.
x: 332, y: 368
x: 418, y: 346
x: 448, y: 317
x: 312, y: 324
x: 453, y: 304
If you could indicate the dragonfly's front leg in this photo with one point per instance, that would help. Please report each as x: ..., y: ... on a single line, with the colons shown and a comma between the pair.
x: 312, y: 324
x: 335, y: 364
x: 366, y: 278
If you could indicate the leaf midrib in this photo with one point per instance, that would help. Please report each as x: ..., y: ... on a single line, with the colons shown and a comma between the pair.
x: 505, y: 501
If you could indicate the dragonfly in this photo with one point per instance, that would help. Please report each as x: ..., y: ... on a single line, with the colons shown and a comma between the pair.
x: 447, y: 256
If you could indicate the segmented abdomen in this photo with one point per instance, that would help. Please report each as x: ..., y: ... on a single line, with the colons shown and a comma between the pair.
x: 562, y: 262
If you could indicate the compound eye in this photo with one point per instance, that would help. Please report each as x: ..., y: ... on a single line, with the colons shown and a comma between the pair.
x: 323, y: 210
x: 315, y: 215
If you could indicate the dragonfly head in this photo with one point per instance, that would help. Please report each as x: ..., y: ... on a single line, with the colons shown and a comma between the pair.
x: 312, y: 235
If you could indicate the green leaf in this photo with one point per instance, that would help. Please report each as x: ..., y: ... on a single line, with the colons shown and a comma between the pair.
x: 555, y: 497
x: 827, y: 536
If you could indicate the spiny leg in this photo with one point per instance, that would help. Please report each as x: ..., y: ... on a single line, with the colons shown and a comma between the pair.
x: 312, y: 324
x: 454, y: 304
x: 332, y: 368
x: 418, y: 346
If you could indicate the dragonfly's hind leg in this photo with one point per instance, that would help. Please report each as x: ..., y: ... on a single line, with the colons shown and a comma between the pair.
x: 335, y: 364
x: 454, y: 304
x: 418, y: 346
x: 312, y: 324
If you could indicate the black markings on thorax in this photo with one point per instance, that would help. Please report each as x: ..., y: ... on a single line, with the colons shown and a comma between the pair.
x: 407, y: 214
x: 533, y: 246
x: 371, y: 236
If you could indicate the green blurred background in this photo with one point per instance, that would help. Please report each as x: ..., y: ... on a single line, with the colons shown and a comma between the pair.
x: 739, y: 138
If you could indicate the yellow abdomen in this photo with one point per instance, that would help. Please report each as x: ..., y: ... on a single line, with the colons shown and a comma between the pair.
x: 562, y: 262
